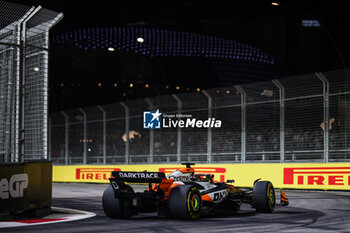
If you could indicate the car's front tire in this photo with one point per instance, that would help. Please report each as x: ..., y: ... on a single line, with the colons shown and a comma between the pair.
x: 264, y: 200
x: 185, y: 202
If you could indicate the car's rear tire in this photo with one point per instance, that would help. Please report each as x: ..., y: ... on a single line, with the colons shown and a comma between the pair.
x: 114, y: 207
x: 264, y: 200
x: 185, y: 202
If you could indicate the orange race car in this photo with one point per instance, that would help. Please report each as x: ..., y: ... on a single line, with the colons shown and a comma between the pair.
x: 183, y: 195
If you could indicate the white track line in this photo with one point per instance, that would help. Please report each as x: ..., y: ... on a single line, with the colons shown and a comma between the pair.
x: 66, y: 214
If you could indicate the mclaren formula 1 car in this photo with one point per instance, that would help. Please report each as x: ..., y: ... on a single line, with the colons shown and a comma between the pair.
x: 182, y: 195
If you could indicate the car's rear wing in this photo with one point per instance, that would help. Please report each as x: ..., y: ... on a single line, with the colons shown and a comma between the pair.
x: 138, y: 177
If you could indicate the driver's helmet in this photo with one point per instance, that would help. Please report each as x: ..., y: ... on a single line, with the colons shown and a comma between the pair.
x: 203, y: 177
x: 198, y: 178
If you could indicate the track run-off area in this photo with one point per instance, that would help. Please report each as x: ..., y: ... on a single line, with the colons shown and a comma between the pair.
x: 308, y: 211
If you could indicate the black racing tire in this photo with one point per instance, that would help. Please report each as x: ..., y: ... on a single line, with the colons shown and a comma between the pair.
x: 185, y: 202
x: 114, y: 207
x: 264, y: 199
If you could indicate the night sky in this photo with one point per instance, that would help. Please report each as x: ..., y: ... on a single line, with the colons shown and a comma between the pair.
x: 276, y: 30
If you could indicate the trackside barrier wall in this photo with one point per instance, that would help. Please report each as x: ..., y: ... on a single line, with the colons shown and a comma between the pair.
x: 26, y: 186
x: 325, y: 176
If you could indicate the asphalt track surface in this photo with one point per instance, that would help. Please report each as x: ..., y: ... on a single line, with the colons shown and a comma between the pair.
x: 308, y: 212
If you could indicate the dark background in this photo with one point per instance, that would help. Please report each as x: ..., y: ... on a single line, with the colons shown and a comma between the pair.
x: 276, y: 30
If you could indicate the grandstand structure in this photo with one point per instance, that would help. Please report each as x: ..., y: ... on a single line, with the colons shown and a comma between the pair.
x: 105, y: 57
x: 301, y: 118
x: 161, y: 42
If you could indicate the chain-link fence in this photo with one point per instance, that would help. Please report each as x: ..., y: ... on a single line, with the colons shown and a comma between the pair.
x: 301, y: 118
x: 23, y: 81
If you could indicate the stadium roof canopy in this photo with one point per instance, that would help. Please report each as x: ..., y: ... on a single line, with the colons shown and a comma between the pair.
x: 162, y: 42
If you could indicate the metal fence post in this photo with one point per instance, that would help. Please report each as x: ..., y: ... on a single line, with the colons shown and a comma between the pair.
x: 243, y: 122
x: 85, y: 137
x: 179, y: 111
x: 127, y: 130
x: 282, y: 119
x: 209, y: 138
x: 66, y: 136
x: 46, y: 137
x: 325, y: 115
x: 151, y: 133
x: 8, y: 122
x: 21, y: 143
x: 49, y: 138
x: 104, y: 136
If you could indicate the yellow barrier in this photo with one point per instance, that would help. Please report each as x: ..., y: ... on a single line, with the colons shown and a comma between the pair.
x: 327, y: 176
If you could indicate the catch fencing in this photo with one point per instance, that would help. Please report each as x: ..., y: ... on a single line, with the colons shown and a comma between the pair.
x: 304, y: 118
x: 24, y: 41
